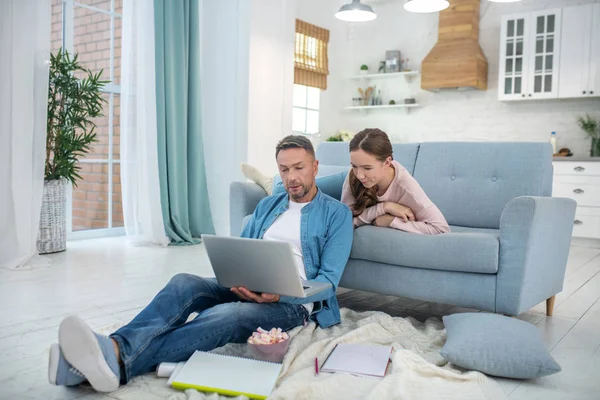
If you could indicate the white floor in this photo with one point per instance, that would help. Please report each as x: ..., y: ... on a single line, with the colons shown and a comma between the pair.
x: 106, y: 282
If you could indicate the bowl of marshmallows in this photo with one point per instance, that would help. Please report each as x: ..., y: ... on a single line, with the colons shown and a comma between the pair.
x: 269, y: 345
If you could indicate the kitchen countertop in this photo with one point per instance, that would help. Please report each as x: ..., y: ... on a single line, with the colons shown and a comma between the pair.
x: 577, y: 158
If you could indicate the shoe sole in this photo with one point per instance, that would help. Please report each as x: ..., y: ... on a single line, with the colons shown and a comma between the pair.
x: 53, y: 363
x: 81, y: 349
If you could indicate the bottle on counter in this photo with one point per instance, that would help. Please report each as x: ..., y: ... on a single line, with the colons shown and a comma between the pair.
x: 553, y: 142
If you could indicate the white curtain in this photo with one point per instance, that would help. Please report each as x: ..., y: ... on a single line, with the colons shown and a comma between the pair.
x: 139, y: 156
x: 225, y: 31
x: 24, y: 62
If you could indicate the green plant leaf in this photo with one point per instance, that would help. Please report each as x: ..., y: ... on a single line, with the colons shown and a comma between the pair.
x: 73, y: 103
x: 589, y: 125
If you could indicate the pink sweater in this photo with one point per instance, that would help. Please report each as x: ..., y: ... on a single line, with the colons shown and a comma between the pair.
x: 404, y: 190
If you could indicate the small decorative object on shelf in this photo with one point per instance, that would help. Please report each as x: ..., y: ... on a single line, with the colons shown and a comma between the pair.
x: 591, y: 126
x: 366, y: 95
x: 392, y: 102
x: 392, y: 61
x: 410, y: 101
x: 381, y: 67
x: 405, y: 67
x: 374, y: 100
x: 364, y: 69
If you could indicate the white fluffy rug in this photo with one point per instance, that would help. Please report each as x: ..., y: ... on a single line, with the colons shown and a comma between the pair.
x: 418, y: 370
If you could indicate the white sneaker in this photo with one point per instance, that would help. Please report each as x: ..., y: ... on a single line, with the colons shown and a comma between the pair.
x: 91, y: 354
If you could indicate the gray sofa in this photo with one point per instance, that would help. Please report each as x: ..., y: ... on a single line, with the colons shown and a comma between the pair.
x: 509, y: 243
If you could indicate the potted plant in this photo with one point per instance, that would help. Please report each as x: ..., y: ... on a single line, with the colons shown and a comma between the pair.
x: 591, y: 126
x: 72, y: 104
x: 340, y: 136
x: 364, y: 69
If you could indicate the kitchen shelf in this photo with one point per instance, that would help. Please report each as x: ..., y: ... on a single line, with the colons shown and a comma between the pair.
x: 408, y: 75
x: 405, y: 107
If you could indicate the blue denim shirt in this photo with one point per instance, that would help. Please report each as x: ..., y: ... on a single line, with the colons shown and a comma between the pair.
x: 326, y: 234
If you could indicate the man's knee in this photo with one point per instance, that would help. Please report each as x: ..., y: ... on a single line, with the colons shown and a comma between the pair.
x: 185, y: 281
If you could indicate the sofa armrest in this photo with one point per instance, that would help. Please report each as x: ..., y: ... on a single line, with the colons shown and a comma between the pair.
x: 535, y: 237
x: 243, y: 199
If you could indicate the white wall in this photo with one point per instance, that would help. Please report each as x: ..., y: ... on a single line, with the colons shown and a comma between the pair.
x: 271, y: 79
x: 451, y: 116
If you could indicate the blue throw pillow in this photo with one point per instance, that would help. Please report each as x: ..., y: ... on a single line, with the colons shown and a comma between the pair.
x: 497, y: 345
x: 330, y: 180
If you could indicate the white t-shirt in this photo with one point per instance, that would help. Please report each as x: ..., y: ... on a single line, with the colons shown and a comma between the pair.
x: 286, y: 228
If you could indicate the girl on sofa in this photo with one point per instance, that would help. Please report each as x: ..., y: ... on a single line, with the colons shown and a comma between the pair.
x: 380, y: 191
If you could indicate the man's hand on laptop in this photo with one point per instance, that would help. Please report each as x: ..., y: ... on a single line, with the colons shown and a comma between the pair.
x: 247, y: 295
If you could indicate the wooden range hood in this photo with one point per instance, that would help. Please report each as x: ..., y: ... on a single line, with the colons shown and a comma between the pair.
x: 456, y: 61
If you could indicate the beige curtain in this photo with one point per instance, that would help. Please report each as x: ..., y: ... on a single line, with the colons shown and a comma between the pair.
x: 310, y: 55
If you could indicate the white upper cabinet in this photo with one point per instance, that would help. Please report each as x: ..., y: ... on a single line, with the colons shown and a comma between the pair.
x: 594, y: 79
x: 550, y: 54
x: 513, y: 61
x: 545, y: 61
x: 530, y: 56
x: 580, y: 52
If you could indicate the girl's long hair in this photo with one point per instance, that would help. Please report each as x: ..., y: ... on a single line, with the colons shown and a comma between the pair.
x: 376, y: 143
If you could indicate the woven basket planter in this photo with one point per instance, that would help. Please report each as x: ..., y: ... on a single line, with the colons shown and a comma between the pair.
x: 52, y: 235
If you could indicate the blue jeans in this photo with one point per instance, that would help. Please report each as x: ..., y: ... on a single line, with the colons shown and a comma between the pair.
x: 160, y: 333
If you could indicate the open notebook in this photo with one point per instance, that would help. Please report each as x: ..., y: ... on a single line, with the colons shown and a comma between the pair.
x: 231, y: 376
x: 358, y: 359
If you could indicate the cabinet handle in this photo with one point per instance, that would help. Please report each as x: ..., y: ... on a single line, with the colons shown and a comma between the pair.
x: 591, y: 92
x: 584, y: 92
x: 579, y: 169
x: 577, y: 222
x: 578, y: 191
x: 529, y: 94
x: 522, y: 95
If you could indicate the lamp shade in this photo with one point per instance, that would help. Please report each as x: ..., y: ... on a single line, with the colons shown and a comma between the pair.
x: 356, y: 12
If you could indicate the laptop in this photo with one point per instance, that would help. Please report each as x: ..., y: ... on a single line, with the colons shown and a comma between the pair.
x: 262, y: 266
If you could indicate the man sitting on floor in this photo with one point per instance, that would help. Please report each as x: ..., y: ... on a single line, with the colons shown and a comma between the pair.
x: 320, y: 231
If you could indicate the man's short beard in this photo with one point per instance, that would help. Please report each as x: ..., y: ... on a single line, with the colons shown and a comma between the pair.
x: 303, y: 193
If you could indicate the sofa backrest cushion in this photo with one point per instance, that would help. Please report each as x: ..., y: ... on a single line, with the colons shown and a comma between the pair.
x: 337, y: 153
x: 472, y: 182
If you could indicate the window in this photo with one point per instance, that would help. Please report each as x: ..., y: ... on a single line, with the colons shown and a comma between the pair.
x: 305, y: 114
x: 310, y: 55
x: 92, y: 28
x: 310, y: 76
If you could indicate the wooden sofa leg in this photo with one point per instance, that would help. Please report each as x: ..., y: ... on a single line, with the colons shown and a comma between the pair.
x: 550, y: 305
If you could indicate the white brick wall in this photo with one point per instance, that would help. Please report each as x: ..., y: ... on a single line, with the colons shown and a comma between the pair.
x: 452, y: 116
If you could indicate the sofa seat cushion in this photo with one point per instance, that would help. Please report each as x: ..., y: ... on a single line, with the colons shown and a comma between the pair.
x: 464, y: 249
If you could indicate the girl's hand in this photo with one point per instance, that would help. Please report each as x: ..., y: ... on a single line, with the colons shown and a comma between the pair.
x: 384, y: 220
x: 398, y: 210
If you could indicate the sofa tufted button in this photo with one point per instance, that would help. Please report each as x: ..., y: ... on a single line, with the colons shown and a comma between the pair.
x: 453, y: 177
x: 494, y: 179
